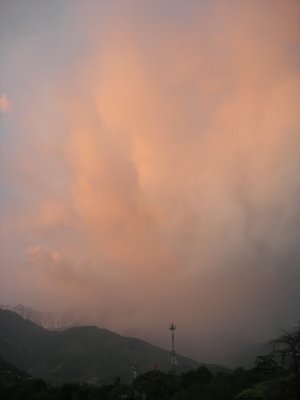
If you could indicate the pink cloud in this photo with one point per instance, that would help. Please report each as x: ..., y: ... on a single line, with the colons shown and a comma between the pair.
x: 4, y: 104
x: 169, y: 161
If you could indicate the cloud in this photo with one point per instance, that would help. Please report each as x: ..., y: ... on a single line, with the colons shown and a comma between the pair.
x: 52, y: 263
x: 167, y: 161
x: 4, y: 104
x: 60, y: 277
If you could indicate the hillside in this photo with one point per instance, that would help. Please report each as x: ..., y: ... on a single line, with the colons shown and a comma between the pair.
x: 247, y: 358
x: 80, y: 354
x: 11, y: 375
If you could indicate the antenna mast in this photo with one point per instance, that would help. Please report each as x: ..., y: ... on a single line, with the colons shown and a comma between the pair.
x: 134, y: 371
x: 173, y: 352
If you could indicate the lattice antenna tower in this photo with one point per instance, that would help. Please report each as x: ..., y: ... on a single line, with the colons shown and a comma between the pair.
x: 134, y: 371
x: 172, y: 328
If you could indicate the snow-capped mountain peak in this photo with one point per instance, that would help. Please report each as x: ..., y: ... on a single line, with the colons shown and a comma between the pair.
x: 51, y: 320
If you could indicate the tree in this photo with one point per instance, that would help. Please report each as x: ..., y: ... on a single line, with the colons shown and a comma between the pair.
x: 266, y: 366
x: 287, y: 348
x: 157, y: 385
x: 200, y: 377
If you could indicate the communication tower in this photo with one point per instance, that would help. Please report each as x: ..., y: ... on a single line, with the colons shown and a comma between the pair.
x: 173, y: 352
x: 134, y: 371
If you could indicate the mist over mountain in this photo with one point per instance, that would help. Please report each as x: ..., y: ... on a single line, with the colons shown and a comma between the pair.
x: 54, y: 320
x: 247, y: 357
x: 80, y: 354
x: 76, y: 318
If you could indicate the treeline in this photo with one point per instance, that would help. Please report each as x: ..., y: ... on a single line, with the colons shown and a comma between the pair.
x: 274, y: 377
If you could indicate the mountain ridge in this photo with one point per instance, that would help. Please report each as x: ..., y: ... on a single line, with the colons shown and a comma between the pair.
x: 78, y: 354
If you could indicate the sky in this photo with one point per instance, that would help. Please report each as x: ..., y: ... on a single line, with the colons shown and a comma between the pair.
x: 149, y: 166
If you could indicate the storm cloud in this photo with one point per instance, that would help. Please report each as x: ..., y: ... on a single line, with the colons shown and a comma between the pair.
x: 150, y: 166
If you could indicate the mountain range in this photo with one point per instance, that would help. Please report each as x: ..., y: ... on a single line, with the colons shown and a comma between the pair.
x: 79, y: 354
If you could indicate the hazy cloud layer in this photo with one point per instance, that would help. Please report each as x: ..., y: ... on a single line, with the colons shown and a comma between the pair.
x: 4, y: 104
x: 151, y: 166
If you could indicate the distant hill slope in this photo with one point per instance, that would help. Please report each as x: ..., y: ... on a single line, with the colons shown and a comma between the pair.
x: 81, y: 354
x: 248, y: 357
x: 10, y: 374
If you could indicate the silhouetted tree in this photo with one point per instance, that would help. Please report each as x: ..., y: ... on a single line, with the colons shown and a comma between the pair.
x: 266, y: 366
x: 157, y: 385
x: 287, y: 348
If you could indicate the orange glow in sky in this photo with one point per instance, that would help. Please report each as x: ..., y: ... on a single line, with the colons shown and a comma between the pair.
x: 150, y: 165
